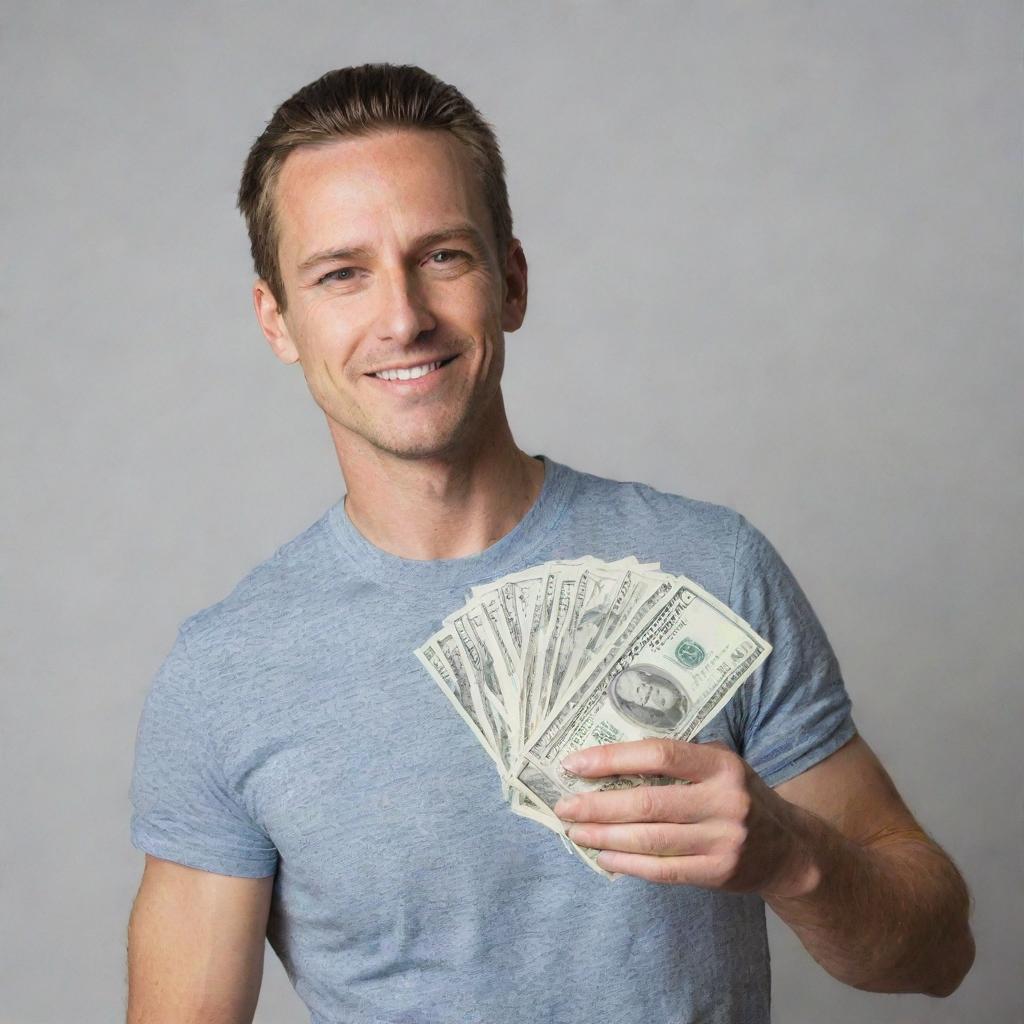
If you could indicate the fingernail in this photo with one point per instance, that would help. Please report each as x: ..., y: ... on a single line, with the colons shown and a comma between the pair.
x: 565, y: 807
x: 575, y: 761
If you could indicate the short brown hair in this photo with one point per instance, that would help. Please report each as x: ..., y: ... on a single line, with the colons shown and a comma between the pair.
x: 358, y: 101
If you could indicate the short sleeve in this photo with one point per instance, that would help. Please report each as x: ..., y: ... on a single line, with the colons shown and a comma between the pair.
x: 794, y: 710
x: 183, y: 810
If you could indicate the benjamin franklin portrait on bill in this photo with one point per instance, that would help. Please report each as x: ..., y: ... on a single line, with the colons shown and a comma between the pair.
x: 643, y: 695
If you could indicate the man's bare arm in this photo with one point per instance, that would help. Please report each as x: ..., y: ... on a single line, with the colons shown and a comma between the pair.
x: 195, y: 946
x: 884, y: 908
x: 834, y: 852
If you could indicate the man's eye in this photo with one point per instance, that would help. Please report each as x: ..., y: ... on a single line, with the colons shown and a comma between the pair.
x: 331, y: 275
x: 445, y: 252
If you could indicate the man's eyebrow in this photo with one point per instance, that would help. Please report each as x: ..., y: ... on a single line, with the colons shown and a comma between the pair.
x: 430, y: 238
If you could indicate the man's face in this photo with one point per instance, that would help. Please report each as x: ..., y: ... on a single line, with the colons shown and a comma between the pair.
x: 396, y: 298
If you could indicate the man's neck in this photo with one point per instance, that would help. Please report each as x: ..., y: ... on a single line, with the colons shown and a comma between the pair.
x: 442, y: 508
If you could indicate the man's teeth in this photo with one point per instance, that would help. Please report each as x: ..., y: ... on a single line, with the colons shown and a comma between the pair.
x: 408, y: 374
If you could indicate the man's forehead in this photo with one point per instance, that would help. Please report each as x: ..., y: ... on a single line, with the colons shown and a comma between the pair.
x: 387, y: 153
x: 417, y: 181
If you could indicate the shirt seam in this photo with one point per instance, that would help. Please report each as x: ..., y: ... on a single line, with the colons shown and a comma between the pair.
x: 735, y: 557
x: 841, y: 733
x: 147, y: 837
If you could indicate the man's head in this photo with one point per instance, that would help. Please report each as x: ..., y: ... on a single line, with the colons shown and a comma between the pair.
x: 355, y: 102
x: 381, y: 236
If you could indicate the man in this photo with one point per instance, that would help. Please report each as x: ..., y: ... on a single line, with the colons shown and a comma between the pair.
x: 297, y: 774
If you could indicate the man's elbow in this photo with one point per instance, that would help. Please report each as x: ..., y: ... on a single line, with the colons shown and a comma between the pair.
x: 956, y: 966
x: 947, y: 952
x: 957, y: 953
x: 940, y: 963
x: 940, y: 975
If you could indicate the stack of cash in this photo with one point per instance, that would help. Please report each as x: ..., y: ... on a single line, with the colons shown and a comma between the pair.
x: 580, y: 652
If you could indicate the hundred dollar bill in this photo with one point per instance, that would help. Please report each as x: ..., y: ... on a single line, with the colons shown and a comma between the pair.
x: 607, y: 620
x: 455, y: 684
x: 674, y: 672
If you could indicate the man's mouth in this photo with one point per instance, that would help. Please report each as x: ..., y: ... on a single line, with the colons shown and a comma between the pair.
x: 411, y: 372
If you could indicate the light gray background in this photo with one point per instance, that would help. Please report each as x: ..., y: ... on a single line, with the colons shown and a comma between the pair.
x: 775, y: 259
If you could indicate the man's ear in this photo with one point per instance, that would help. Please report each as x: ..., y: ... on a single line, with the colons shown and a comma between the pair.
x: 513, y: 309
x: 272, y: 322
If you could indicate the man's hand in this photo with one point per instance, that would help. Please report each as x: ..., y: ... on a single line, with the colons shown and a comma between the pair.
x: 726, y: 830
x: 835, y: 852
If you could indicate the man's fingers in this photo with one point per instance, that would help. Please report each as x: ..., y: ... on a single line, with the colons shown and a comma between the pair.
x: 673, y: 803
x: 662, y: 839
x: 674, y: 758
x: 710, y: 872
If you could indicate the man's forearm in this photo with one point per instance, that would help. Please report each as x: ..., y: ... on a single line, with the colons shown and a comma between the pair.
x: 889, y: 914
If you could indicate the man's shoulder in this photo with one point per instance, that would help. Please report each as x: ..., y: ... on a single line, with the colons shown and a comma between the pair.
x: 705, y: 528
x: 281, y: 585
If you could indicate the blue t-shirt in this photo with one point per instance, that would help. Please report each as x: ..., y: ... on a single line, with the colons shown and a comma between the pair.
x: 291, y: 730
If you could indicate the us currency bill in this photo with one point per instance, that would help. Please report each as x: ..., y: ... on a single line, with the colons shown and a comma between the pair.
x: 578, y: 652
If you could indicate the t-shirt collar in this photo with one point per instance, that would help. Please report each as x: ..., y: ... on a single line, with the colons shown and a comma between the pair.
x: 504, y: 555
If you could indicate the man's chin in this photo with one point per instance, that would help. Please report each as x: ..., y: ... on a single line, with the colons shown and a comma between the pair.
x: 412, y: 437
x: 420, y: 446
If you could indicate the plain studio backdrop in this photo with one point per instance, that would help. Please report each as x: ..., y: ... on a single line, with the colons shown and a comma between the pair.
x: 775, y: 259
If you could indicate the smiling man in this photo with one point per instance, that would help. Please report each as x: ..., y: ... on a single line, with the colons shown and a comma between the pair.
x: 298, y: 777
x: 398, y: 298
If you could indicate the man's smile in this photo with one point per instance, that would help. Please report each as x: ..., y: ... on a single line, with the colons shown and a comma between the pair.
x: 410, y: 375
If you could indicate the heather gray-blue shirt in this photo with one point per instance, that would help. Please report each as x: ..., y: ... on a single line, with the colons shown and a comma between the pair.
x: 292, y: 732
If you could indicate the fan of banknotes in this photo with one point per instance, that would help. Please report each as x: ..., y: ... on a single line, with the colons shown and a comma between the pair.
x: 580, y: 652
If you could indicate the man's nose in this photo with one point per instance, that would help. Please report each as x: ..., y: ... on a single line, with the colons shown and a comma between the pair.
x: 404, y: 312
